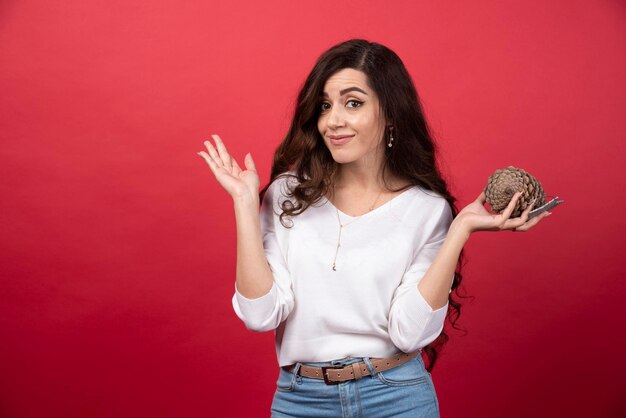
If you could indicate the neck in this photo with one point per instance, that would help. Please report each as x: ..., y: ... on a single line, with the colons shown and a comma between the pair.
x: 358, y: 178
x: 363, y: 175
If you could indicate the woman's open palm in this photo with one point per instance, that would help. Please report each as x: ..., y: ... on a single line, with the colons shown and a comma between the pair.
x: 477, y: 218
x: 237, y: 182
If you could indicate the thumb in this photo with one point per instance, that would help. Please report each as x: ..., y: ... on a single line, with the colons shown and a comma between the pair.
x: 249, y: 162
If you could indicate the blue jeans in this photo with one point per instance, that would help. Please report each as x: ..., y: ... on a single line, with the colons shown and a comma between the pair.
x: 404, y: 391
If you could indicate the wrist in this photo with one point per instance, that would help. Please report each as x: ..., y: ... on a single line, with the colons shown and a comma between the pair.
x: 245, y: 201
x: 459, y: 229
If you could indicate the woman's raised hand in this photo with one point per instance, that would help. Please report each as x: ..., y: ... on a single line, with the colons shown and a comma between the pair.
x: 475, y: 217
x: 237, y: 182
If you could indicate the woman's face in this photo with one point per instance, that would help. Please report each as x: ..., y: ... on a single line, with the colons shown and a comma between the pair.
x: 350, y: 120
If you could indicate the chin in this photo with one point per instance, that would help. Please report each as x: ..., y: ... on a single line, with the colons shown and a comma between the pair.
x: 341, y: 158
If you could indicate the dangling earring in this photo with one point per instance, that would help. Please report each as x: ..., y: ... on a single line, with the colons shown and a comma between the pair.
x: 390, y: 143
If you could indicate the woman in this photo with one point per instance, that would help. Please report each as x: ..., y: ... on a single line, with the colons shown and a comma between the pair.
x: 352, y: 258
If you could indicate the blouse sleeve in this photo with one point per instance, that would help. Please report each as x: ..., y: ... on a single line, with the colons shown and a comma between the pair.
x: 268, y: 311
x: 412, y: 322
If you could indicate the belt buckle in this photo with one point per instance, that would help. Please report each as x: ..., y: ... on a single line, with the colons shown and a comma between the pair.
x: 325, y: 375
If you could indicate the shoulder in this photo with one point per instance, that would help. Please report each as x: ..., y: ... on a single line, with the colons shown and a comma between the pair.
x: 279, y: 192
x: 283, y: 184
x: 430, y: 199
x: 424, y: 206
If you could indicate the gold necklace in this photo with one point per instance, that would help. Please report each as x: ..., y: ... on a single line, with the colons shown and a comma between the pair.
x: 341, y: 226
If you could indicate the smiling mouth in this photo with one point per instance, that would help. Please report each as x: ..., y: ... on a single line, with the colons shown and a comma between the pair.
x: 340, y: 139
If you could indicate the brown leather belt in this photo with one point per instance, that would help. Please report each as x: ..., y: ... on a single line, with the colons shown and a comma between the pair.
x: 332, y: 375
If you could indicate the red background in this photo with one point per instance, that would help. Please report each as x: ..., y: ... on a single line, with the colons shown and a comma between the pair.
x: 118, y: 245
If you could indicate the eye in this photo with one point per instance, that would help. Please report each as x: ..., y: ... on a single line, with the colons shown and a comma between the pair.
x: 355, y: 103
x: 324, y: 106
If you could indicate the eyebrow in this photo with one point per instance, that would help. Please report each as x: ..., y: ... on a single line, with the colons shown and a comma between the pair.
x: 348, y: 90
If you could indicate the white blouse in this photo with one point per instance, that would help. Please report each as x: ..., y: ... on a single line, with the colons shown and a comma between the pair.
x: 370, y: 306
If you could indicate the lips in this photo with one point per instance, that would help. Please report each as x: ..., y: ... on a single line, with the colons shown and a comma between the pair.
x: 340, y: 139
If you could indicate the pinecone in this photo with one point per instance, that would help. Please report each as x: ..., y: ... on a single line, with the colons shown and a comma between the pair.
x: 503, y: 184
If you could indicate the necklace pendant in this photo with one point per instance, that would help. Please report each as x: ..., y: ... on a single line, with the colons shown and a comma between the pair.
x: 341, y: 226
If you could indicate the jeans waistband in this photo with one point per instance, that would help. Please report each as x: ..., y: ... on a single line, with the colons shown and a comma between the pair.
x: 339, y: 362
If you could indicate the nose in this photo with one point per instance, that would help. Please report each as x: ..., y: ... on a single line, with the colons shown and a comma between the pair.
x: 335, y: 117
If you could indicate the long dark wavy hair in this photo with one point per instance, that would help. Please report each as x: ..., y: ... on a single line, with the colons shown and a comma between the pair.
x: 411, y: 158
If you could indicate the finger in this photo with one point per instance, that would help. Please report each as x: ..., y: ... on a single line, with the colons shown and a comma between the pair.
x: 213, y: 153
x: 224, y: 155
x: 236, y: 168
x: 514, y: 224
x: 506, y: 214
x: 524, y: 216
x: 209, y: 161
x: 249, y: 162
x: 534, y: 221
